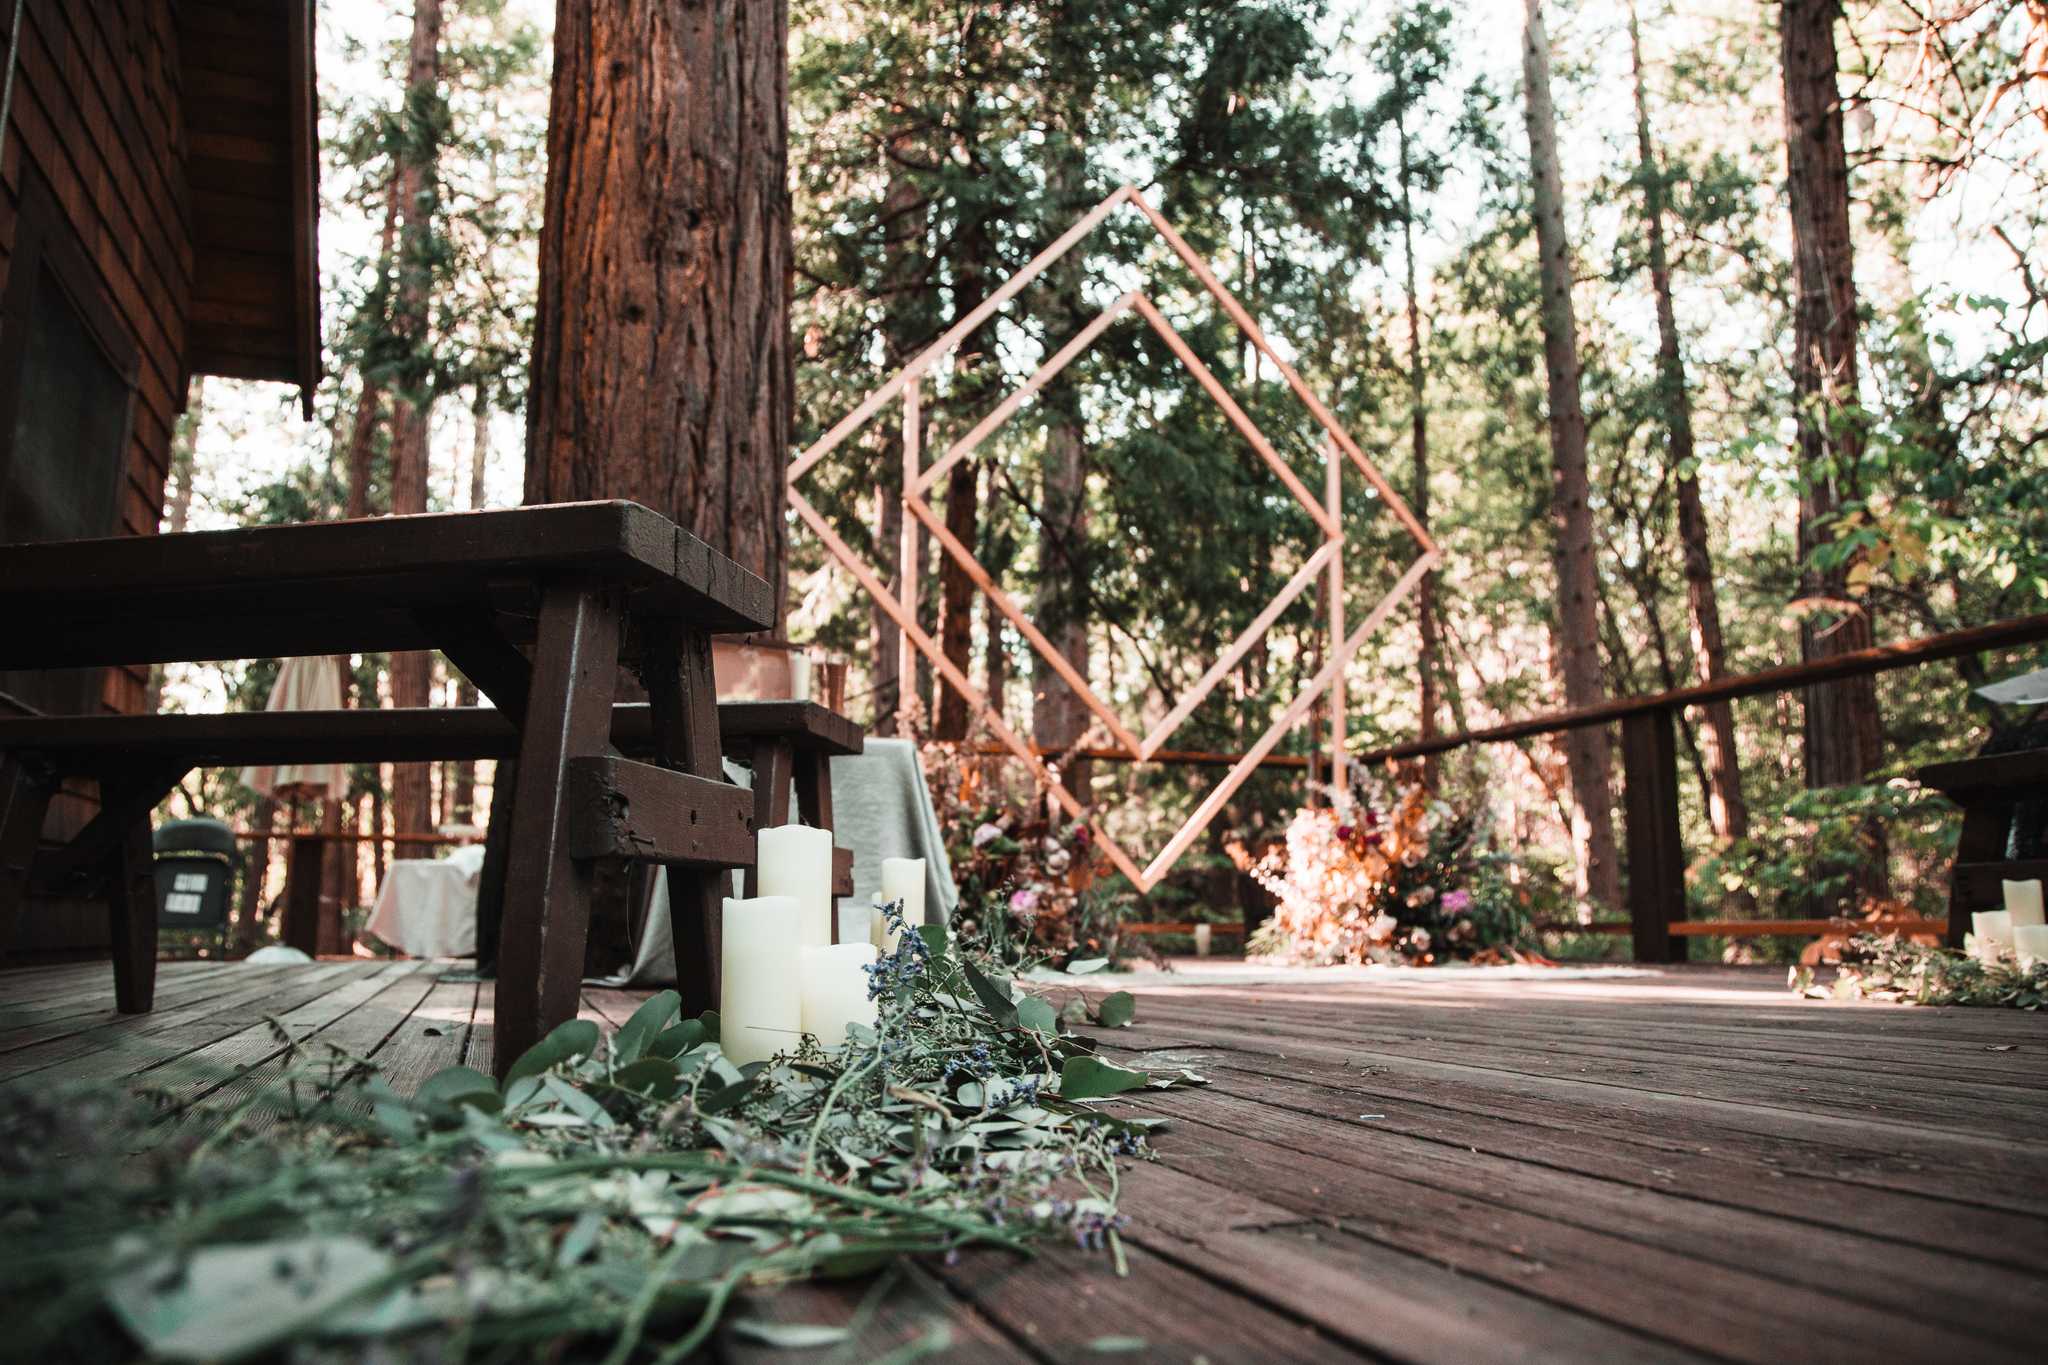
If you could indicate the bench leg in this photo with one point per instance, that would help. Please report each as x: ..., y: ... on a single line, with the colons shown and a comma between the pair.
x: 774, y: 767
x: 131, y: 916
x: 682, y: 701
x: 1987, y: 824
x: 490, y: 881
x: 547, y: 893
x: 24, y: 801
x: 814, y: 790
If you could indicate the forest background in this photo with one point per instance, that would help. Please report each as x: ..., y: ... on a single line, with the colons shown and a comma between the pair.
x: 1375, y: 181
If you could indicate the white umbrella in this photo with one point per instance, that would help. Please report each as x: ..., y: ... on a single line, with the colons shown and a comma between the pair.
x: 311, y: 683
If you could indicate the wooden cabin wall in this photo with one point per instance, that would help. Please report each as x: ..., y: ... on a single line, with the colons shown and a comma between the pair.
x: 96, y: 114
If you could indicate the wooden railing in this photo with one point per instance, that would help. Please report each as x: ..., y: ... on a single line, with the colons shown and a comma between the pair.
x: 1649, y: 756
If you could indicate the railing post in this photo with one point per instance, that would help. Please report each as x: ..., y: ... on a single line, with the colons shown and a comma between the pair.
x: 1656, y: 853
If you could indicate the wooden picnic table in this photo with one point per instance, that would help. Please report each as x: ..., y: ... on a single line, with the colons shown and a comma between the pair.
x: 538, y: 606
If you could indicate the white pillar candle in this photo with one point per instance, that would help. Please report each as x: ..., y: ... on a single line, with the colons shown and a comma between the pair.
x: 800, y: 677
x: 2030, y: 943
x: 1202, y: 938
x: 796, y: 860
x: 835, y: 990
x: 1994, y: 932
x: 2023, y: 902
x: 760, y: 1010
x: 902, y: 879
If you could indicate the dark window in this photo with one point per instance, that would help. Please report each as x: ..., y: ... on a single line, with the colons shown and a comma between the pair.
x: 70, y: 427
x: 67, y: 390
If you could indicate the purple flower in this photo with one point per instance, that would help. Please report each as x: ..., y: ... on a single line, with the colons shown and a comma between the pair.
x: 1023, y: 902
x: 1455, y: 902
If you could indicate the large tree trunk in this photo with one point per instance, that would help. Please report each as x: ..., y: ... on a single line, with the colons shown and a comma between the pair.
x: 903, y: 265
x: 412, y: 671
x: 1588, y: 750
x: 661, y: 367
x: 362, y: 432
x: 1060, y: 606
x: 1727, y: 812
x: 661, y: 360
x: 975, y: 369
x: 1429, y: 654
x: 1842, y: 737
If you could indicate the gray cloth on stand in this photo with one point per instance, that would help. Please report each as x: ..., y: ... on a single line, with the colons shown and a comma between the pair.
x: 881, y: 809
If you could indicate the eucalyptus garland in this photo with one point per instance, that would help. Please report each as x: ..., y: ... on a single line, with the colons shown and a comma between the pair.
x: 611, y: 1199
x: 1898, y: 971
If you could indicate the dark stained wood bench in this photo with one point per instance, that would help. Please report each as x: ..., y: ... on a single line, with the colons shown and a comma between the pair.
x: 540, y: 607
x: 1990, y: 789
x: 784, y: 742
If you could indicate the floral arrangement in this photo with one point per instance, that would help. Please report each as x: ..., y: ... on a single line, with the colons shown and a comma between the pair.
x: 1405, y: 881
x: 1031, y: 890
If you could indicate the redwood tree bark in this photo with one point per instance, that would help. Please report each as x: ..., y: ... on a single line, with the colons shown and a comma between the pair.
x: 975, y: 371
x: 1588, y: 751
x: 1060, y: 605
x: 903, y: 274
x: 662, y: 361
x: 412, y: 401
x: 1842, y: 738
x: 1727, y: 812
x: 362, y: 432
x: 1429, y: 653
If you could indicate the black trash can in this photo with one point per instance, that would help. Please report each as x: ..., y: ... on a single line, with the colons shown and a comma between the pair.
x: 196, y: 862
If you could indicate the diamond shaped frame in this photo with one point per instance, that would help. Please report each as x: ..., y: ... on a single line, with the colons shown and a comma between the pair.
x: 1327, y: 558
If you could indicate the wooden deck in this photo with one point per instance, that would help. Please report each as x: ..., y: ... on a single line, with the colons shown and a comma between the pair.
x: 1684, y: 1165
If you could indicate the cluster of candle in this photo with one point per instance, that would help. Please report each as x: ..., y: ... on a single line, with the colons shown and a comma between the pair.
x: 781, y: 973
x: 2017, y: 931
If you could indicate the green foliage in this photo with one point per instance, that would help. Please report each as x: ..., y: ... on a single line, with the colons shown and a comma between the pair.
x: 1896, y: 971
x: 600, y: 1197
x: 1800, y: 859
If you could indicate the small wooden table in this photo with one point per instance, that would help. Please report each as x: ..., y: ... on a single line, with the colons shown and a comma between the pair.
x: 1990, y: 789
x: 582, y: 587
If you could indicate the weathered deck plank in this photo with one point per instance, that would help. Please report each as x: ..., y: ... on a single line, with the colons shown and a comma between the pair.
x: 1662, y: 1168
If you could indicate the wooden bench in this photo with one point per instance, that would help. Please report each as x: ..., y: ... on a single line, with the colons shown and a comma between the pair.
x: 539, y: 606
x: 1990, y: 789
x: 788, y: 740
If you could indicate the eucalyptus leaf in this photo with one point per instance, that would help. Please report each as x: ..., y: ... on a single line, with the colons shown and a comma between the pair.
x: 995, y: 999
x: 718, y: 1101
x: 1091, y: 1078
x: 458, y: 1085
x: 674, y: 1042
x: 225, y: 1302
x: 1117, y: 1009
x: 789, y: 1336
x: 1083, y: 966
x: 652, y: 1076
x: 569, y: 1041
x: 1036, y: 1015
x: 655, y: 1014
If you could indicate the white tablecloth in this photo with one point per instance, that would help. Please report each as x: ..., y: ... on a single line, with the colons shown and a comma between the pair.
x: 428, y: 909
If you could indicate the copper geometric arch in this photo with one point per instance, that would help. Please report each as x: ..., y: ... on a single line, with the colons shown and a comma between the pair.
x: 907, y: 387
